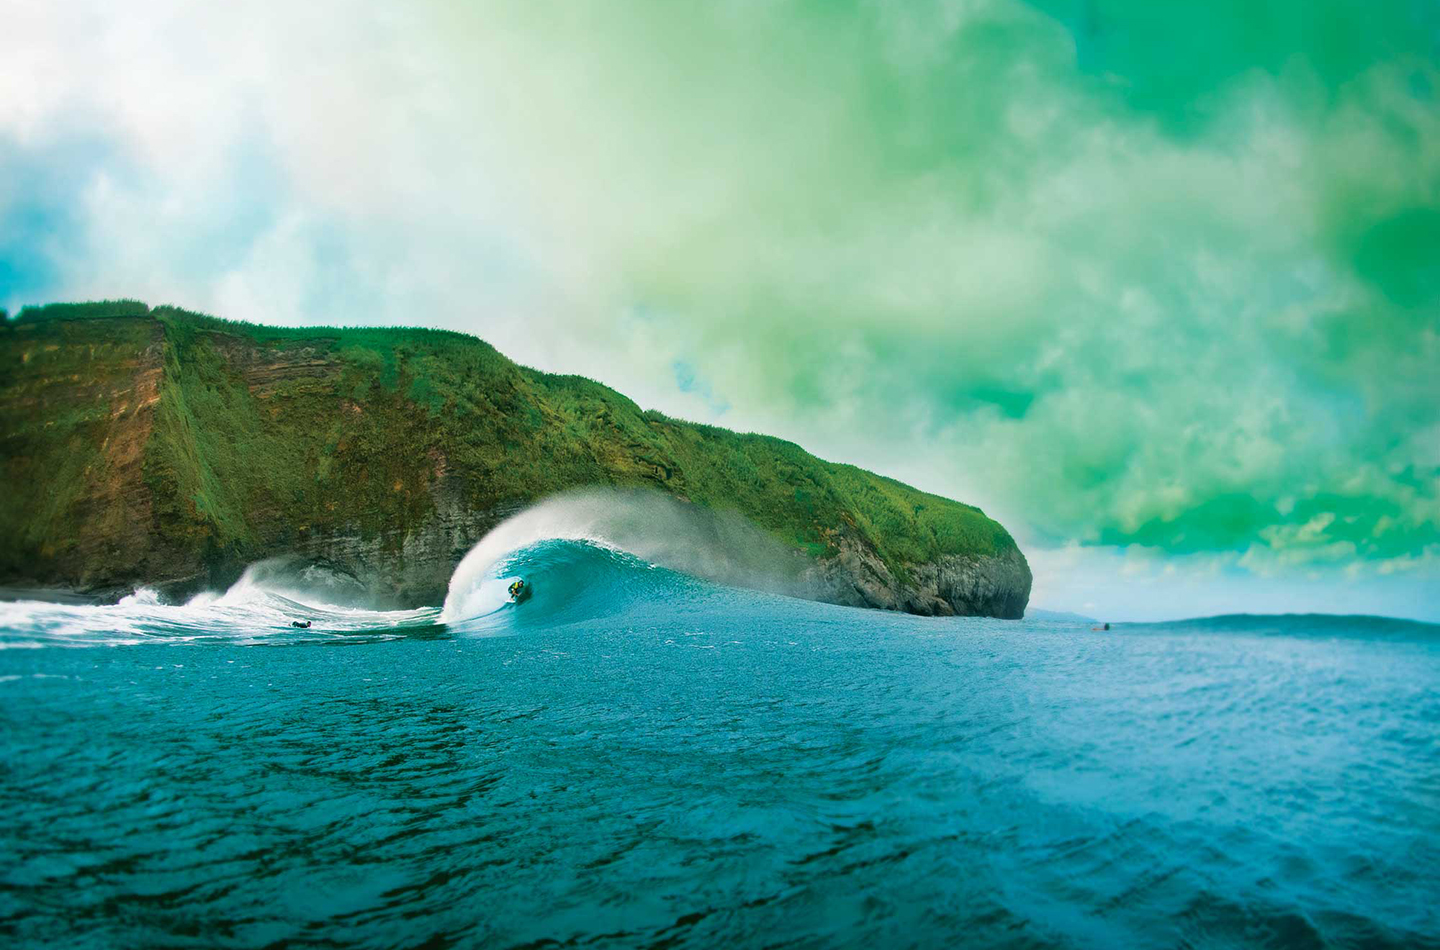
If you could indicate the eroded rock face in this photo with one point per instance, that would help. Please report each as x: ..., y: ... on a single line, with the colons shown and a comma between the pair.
x: 957, y: 585
x: 977, y: 587
x: 76, y: 414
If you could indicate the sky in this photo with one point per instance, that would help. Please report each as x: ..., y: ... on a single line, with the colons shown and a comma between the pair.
x: 1158, y: 288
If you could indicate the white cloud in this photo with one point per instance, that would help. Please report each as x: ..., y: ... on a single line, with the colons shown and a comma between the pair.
x: 837, y: 270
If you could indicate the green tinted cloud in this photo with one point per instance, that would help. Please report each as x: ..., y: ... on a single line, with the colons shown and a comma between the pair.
x: 1137, y: 274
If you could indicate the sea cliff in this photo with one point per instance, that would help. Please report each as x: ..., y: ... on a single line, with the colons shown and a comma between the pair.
x: 171, y: 449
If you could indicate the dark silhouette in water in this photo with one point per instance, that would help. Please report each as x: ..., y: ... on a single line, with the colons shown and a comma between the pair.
x: 302, y: 624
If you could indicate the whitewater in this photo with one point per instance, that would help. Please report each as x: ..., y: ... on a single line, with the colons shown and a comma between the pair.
x: 653, y: 752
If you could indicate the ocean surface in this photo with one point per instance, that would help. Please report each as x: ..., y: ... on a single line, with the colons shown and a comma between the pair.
x: 638, y: 758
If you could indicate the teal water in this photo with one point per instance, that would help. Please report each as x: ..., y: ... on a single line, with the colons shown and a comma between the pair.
x: 637, y: 758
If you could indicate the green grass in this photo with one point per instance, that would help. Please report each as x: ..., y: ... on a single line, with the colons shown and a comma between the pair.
x: 82, y: 311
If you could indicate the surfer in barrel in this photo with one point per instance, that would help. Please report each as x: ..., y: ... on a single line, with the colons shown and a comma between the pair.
x: 519, y: 591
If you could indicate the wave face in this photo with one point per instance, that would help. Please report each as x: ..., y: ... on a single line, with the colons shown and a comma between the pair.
x: 650, y: 530
x: 570, y: 581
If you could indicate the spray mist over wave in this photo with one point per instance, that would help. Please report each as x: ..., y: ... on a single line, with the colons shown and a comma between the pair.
x: 654, y: 530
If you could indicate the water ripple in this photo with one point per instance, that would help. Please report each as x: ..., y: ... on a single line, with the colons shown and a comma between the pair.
x: 822, y: 777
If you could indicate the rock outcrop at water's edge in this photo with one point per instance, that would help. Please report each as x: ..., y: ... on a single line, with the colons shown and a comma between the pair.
x: 170, y: 449
x: 951, y: 585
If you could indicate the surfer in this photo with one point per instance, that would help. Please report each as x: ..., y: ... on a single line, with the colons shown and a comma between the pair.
x: 519, y: 592
x: 302, y: 624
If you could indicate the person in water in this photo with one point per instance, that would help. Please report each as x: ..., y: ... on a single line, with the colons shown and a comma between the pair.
x: 519, y: 591
x: 302, y: 624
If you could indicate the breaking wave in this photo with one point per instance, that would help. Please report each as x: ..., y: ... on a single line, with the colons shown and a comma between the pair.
x: 570, y: 581
x: 261, y: 607
x: 594, y: 552
x: 585, y: 555
x: 641, y: 530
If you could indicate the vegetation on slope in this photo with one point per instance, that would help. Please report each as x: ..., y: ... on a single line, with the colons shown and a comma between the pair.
x: 62, y: 460
x: 262, y: 434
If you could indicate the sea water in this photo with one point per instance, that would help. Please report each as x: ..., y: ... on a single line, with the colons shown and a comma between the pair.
x: 635, y: 757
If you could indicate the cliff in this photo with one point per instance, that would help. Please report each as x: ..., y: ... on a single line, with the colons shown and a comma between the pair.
x: 172, y: 449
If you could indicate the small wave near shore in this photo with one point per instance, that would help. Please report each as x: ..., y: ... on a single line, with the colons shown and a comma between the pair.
x: 261, y: 607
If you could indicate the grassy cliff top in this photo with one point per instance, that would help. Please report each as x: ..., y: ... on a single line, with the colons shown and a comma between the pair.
x: 303, y: 421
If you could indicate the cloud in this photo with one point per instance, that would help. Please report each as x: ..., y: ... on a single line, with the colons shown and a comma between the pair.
x: 1121, y: 292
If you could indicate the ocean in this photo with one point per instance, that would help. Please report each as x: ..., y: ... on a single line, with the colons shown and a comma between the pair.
x: 639, y: 758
